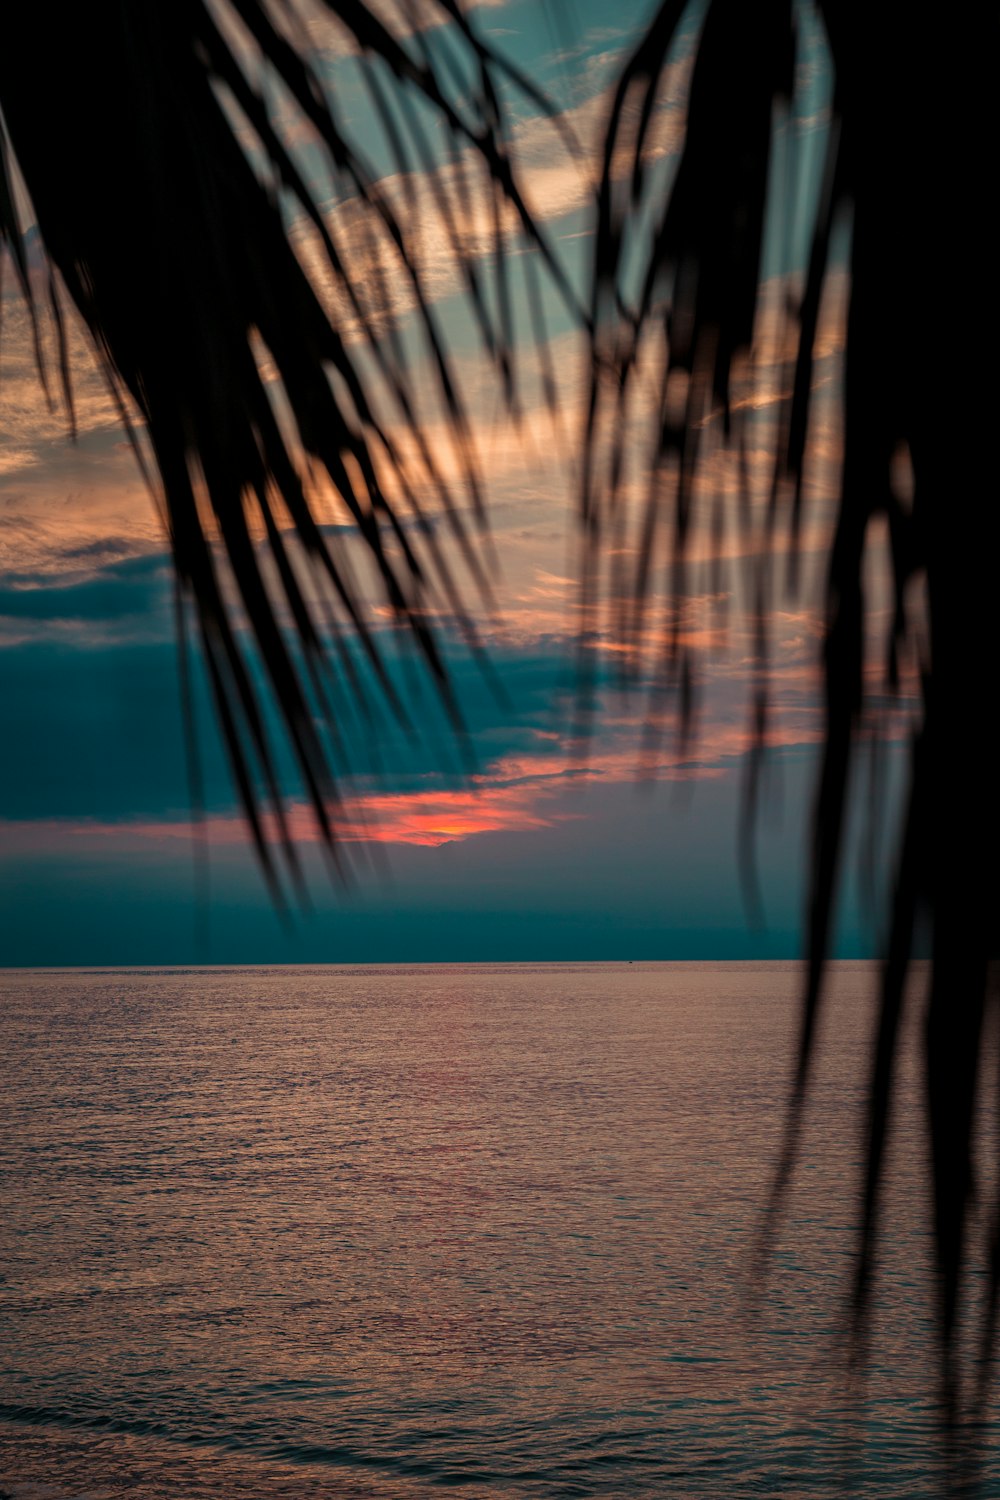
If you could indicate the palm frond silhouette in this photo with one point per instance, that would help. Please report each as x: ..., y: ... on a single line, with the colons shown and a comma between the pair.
x: 170, y: 240
x: 682, y: 271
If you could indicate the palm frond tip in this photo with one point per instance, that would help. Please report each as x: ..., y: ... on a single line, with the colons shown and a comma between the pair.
x: 162, y: 212
x: 682, y: 272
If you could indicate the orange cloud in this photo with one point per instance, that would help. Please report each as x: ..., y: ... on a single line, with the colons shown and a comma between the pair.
x: 422, y: 818
x: 520, y: 793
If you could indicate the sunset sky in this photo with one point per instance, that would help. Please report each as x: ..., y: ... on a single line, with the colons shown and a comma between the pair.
x: 530, y: 841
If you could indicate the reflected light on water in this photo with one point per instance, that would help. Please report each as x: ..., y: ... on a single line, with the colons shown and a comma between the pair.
x: 370, y: 1232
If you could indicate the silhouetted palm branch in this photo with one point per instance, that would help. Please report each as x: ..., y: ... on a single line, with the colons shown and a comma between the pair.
x: 679, y: 272
x: 168, y: 234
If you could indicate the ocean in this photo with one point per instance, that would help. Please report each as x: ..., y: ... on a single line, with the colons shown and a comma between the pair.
x: 490, y: 1229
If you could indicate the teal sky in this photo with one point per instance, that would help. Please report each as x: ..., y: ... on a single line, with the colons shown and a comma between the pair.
x: 520, y: 842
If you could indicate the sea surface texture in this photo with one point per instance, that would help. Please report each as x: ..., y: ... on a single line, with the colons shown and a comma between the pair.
x: 490, y: 1230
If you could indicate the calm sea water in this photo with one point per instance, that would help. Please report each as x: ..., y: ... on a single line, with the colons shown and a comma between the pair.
x: 375, y: 1232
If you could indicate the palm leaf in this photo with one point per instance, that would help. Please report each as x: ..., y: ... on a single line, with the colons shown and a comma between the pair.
x: 167, y: 233
x: 681, y: 272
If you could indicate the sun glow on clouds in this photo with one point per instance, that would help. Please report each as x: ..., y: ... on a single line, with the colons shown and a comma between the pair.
x: 421, y: 818
x: 425, y: 819
x: 519, y: 793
